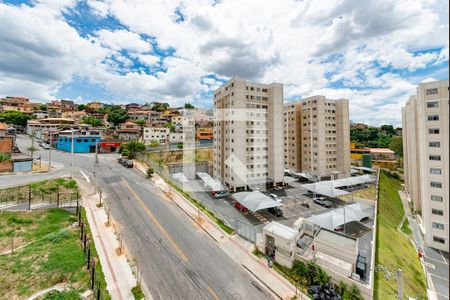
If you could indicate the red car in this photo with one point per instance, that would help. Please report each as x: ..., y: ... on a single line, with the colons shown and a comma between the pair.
x: 240, y: 207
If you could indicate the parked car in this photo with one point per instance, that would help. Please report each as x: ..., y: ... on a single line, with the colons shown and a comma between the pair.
x: 128, y: 163
x: 240, y: 207
x: 321, y: 201
x: 45, y: 146
x: 304, y: 204
x: 276, y: 198
x: 275, y: 211
x: 121, y: 160
x: 220, y: 195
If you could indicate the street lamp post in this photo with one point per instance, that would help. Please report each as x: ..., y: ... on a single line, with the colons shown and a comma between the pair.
x: 50, y: 152
x: 71, y: 154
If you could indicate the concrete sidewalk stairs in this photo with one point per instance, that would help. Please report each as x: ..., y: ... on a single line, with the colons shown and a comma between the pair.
x: 234, y: 246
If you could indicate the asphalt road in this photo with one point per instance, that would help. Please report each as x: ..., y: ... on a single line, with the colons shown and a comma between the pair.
x: 176, y: 258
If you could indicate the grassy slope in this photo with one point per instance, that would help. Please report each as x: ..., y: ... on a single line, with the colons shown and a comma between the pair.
x: 393, y: 249
x: 55, y: 256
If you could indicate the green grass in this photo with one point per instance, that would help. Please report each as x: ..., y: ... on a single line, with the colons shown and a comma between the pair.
x: 137, y: 292
x: 52, y: 254
x: 405, y: 228
x: 98, y: 265
x: 66, y: 295
x: 393, y: 249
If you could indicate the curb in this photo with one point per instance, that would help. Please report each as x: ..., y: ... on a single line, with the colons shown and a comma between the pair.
x: 189, y: 203
x: 266, y: 285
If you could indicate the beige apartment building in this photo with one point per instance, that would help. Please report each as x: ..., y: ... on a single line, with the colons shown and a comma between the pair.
x: 248, y: 134
x: 317, y: 137
x: 425, y: 119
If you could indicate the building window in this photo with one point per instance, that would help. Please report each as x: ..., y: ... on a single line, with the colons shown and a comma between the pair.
x: 431, y: 91
x: 436, y: 184
x: 433, y: 131
x: 434, y: 144
x: 436, y: 198
x: 435, y: 171
x: 431, y: 104
x: 438, y: 212
x: 434, y: 157
x: 437, y: 225
x: 433, y: 118
x: 438, y: 239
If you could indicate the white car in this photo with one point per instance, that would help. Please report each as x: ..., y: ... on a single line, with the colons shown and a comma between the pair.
x: 276, y: 198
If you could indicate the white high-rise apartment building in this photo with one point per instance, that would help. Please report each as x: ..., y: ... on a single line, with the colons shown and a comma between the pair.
x: 426, y: 159
x: 248, y: 134
x: 317, y: 137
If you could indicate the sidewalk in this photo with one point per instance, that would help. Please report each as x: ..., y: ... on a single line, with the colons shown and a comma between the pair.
x: 418, y: 243
x: 234, y: 246
x: 118, y: 274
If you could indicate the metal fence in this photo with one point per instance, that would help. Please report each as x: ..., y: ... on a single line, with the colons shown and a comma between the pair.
x: 95, y: 283
x: 245, y: 230
x: 29, y: 197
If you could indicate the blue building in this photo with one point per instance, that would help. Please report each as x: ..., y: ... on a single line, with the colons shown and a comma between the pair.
x: 83, y: 143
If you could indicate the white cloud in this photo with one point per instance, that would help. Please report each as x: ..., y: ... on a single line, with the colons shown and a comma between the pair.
x: 40, y: 51
x: 305, y: 45
x: 123, y: 40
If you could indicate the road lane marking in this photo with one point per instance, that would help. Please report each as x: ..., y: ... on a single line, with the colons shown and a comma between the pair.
x: 437, y: 276
x: 85, y: 176
x: 213, y: 293
x: 443, y: 257
x: 152, y: 216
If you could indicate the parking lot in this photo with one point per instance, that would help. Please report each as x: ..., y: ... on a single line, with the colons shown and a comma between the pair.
x: 297, y: 203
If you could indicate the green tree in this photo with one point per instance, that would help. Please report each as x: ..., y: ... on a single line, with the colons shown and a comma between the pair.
x: 343, y: 289
x: 4, y: 156
x: 180, y: 145
x: 150, y: 172
x: 354, y: 293
x: 387, y: 129
x: 141, y: 124
x: 160, y: 107
x: 15, y: 117
x: 81, y: 107
x: 131, y: 148
x: 42, y: 107
x: 171, y: 126
x: 91, y: 120
x: 396, y: 145
x: 154, y: 143
x: 188, y: 106
x: 117, y: 116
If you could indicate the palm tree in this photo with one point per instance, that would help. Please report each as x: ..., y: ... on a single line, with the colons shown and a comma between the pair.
x: 134, y: 147
x: 141, y: 124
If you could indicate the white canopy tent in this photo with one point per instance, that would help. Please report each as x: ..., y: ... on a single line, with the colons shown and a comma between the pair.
x: 337, y: 217
x: 289, y: 179
x: 329, y: 188
x: 210, y: 183
x: 255, y: 200
x: 329, y: 220
x: 180, y: 177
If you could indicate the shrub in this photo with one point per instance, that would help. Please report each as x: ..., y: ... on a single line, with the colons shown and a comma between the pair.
x: 150, y: 172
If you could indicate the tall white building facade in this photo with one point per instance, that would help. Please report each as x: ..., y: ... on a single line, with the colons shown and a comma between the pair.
x: 248, y: 134
x: 426, y: 153
x: 317, y: 137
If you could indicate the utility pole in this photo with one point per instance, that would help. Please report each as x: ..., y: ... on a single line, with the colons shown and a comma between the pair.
x: 50, y: 152
x: 71, y: 154
x: 32, y: 144
x: 400, y: 284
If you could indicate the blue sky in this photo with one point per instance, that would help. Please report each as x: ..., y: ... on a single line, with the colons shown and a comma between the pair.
x: 372, y: 52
